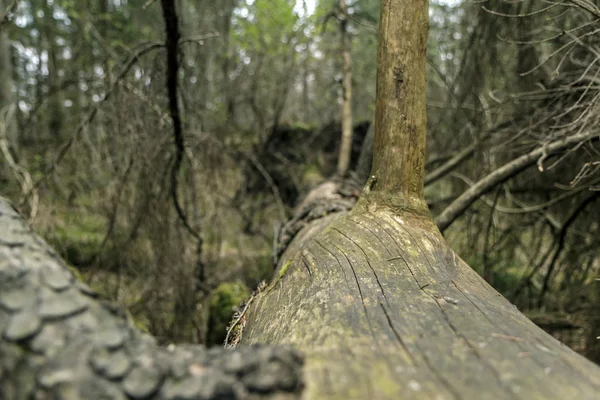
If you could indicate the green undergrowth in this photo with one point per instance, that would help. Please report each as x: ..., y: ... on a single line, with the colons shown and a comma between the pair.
x: 312, y: 175
x: 77, y: 235
x: 223, y: 302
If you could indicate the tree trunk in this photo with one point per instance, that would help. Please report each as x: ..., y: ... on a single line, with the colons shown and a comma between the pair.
x: 6, y: 81
x: 346, y: 142
x: 379, y: 303
x: 306, y: 57
x: 59, y: 340
x: 227, y: 10
x: 55, y: 114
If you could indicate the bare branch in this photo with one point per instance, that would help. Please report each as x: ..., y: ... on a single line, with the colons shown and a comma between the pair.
x: 587, y: 6
x: 451, y: 164
x: 531, y: 14
x: 464, y: 201
x: 90, y: 117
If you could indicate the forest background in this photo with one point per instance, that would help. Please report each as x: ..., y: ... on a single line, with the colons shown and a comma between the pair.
x: 181, y: 235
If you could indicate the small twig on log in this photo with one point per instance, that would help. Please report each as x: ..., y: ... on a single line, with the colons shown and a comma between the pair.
x: 235, y: 339
x: 507, y: 337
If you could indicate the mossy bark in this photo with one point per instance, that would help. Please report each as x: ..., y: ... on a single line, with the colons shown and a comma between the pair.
x: 379, y: 303
x: 384, y: 309
x: 400, y: 117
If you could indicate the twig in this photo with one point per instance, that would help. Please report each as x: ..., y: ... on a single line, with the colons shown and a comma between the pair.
x: 237, y: 321
x: 148, y: 4
x: 587, y: 6
x: 269, y: 179
x: 507, y: 337
x: 505, y: 172
x: 261, y: 287
x: 530, y: 14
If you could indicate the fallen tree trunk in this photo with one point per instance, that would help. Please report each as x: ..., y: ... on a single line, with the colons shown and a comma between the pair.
x: 376, y: 299
x: 59, y: 340
x: 415, y: 323
x: 384, y: 309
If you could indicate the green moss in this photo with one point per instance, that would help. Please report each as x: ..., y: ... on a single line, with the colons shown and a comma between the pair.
x: 77, y: 236
x: 141, y: 322
x: 223, y: 300
x: 284, y: 268
x: 75, y: 273
x: 312, y: 175
x: 302, y: 126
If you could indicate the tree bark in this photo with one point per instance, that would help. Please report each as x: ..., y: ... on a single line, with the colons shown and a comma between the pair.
x: 378, y: 302
x: 365, y: 159
x: 59, y: 340
x: 346, y: 142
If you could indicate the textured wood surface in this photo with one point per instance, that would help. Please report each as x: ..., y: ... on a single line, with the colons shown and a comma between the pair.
x: 384, y: 309
x: 58, y: 340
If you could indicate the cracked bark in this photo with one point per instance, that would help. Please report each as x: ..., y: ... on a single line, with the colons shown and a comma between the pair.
x: 389, y: 311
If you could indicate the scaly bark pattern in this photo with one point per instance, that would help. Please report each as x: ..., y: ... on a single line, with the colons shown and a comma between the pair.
x: 59, y: 340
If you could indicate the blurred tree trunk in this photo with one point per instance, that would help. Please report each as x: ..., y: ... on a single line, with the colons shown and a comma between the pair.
x: 346, y: 142
x: 226, y: 13
x: 55, y: 115
x: 305, y: 72
x: 204, y: 10
x: 6, y: 85
x: 103, y: 28
x: 379, y: 303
